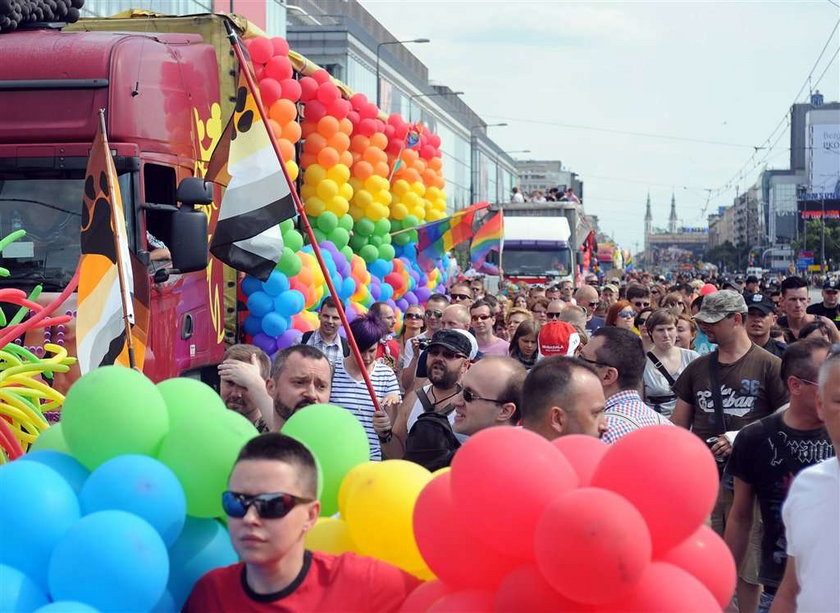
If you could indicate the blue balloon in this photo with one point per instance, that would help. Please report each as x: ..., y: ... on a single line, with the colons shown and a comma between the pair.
x: 63, y: 463
x: 67, y: 606
x: 260, y: 303
x: 274, y: 324
x: 18, y: 592
x: 204, y: 544
x: 38, y: 508
x: 111, y: 560
x: 348, y: 287
x: 289, y: 303
x: 166, y: 604
x: 250, y: 285
x: 386, y: 292
x: 252, y: 325
x: 141, y: 485
x: 276, y: 284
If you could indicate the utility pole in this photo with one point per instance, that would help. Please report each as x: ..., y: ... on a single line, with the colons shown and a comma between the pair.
x: 822, y: 238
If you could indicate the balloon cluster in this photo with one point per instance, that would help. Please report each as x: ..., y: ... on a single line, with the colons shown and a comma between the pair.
x: 14, y: 13
x: 131, y: 478
x: 573, y: 525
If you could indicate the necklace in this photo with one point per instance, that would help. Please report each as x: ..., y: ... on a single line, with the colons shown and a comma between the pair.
x: 455, y: 393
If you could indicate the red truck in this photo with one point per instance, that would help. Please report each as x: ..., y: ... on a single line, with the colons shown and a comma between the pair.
x: 167, y: 86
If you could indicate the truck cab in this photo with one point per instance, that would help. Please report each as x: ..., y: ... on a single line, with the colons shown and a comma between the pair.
x: 537, y: 250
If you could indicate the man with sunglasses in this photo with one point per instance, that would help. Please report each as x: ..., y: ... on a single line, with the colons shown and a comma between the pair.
x: 587, y: 297
x: 768, y: 454
x: 639, y: 297
x: 271, y: 505
x: 490, y: 395
x: 433, y: 319
x: 455, y: 317
x: 481, y: 315
x: 460, y: 293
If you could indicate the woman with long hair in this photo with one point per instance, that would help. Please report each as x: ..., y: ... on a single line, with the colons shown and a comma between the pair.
x: 621, y: 314
x: 413, y: 324
x: 665, y: 361
x: 520, y: 301
x: 524, y: 345
x: 349, y: 389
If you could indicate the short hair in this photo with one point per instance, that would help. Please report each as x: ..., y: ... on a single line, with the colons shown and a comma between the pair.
x: 367, y: 330
x: 661, y: 317
x: 623, y: 351
x: 329, y: 302
x: 825, y: 370
x: 512, y: 391
x: 793, y: 282
x: 305, y: 351
x: 481, y: 302
x: 437, y: 298
x: 242, y: 352
x: 281, y: 448
x: 459, y: 284
x: 538, y: 301
x: 376, y: 308
x: 671, y: 299
x: 518, y: 311
x: 491, y: 300
x: 819, y: 324
x: 572, y: 314
x: 637, y: 291
x: 798, y: 359
x: 548, y: 384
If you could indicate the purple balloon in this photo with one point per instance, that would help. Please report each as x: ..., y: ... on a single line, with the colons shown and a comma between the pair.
x: 422, y: 293
x: 403, y: 304
x: 375, y: 290
x: 390, y: 302
x: 265, y: 342
x: 288, y: 338
x: 411, y: 298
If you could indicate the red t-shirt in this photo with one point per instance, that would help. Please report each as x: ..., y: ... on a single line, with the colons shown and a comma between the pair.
x: 346, y: 582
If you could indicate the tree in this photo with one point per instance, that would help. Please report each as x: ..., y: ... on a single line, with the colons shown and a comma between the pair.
x: 810, y: 240
x: 725, y: 256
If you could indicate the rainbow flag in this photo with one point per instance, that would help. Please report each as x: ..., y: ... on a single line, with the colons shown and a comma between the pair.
x: 436, y: 238
x: 488, y: 238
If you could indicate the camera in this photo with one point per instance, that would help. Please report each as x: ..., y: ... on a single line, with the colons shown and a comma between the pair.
x: 424, y: 343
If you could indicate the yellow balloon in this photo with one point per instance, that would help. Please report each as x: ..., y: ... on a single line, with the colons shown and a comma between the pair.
x: 400, y: 187
x: 293, y: 169
x: 307, y: 191
x: 418, y: 188
x: 327, y: 189
x: 338, y: 205
x: 345, y: 190
x: 356, y: 184
x: 353, y: 477
x: 372, y: 183
x: 380, y: 513
x: 362, y: 198
x: 356, y: 212
x: 314, y: 174
x: 383, y: 197
x: 339, y: 173
x: 329, y: 535
x: 399, y: 211
x: 315, y: 206
x: 372, y: 212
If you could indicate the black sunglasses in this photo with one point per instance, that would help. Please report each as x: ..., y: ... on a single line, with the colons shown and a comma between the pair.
x: 595, y: 362
x: 434, y: 313
x: 268, y: 506
x: 553, y: 315
x: 447, y: 354
x: 469, y: 396
x: 460, y: 297
x: 413, y: 316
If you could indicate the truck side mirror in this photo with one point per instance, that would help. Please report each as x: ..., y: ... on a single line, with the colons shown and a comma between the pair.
x: 189, y: 245
x: 194, y: 190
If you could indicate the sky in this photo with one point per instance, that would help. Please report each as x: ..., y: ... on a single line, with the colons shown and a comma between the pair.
x: 699, y: 84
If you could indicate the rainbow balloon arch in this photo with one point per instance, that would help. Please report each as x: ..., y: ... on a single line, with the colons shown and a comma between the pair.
x: 366, y: 184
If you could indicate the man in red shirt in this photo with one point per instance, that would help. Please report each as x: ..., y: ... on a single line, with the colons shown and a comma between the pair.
x: 271, y: 505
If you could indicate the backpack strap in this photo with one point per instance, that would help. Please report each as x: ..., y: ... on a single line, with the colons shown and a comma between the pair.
x: 714, y: 381
x: 345, y: 348
x: 304, y: 339
x: 428, y: 405
x: 661, y: 368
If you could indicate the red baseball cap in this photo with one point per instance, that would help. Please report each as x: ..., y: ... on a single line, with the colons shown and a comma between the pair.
x: 558, y: 338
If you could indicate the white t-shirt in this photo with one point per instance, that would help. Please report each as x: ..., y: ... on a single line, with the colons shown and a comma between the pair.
x: 417, y: 409
x: 811, y: 515
x: 408, y: 351
x: 657, y: 385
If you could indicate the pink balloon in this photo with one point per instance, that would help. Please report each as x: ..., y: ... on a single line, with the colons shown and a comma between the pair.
x: 366, y: 127
x: 427, y: 152
x: 314, y: 110
x: 291, y: 89
x: 321, y: 76
x: 434, y: 140
x: 308, y: 88
x: 339, y: 108
x: 279, y: 46
x: 424, y: 596
x: 665, y: 588
x: 354, y: 118
x: 260, y: 49
x: 472, y: 601
x: 583, y: 453
x: 270, y: 91
x: 525, y: 590
x: 328, y: 93
x: 358, y: 101
x: 369, y: 111
x: 279, y: 68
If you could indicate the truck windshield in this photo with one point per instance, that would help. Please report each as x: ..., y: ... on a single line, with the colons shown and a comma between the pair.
x: 50, y: 210
x: 525, y: 262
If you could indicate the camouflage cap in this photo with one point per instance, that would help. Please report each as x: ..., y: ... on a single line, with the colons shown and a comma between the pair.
x: 719, y: 304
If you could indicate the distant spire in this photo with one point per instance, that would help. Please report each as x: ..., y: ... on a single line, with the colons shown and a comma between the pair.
x: 672, y: 218
x: 648, y: 214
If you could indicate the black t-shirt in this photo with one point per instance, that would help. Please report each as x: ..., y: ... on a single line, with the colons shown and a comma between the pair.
x: 768, y: 455
x: 818, y: 308
x: 775, y: 347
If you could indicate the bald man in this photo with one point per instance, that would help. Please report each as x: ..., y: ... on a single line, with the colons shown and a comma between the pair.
x: 587, y: 297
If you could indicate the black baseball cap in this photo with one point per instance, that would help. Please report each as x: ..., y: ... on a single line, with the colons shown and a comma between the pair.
x: 752, y: 279
x: 452, y: 340
x: 762, y: 303
x: 831, y: 284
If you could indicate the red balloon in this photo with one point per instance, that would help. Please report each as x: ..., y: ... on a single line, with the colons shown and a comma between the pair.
x: 314, y: 110
x: 401, y: 131
x: 354, y: 118
x: 434, y: 140
x: 474, y: 601
x: 279, y: 68
x: 427, y: 152
x: 339, y: 108
x: 706, y: 556
x: 328, y: 93
x: 270, y: 91
x: 395, y: 119
x: 668, y: 474
x: 424, y: 596
x: 279, y: 46
x: 291, y: 89
x: 261, y: 50
x: 366, y: 127
x: 308, y: 88
x: 389, y: 131
x: 592, y: 545
x: 525, y: 590
x: 358, y: 101
x: 666, y: 588
x: 583, y: 453
x: 369, y: 111
x: 321, y: 76
x: 528, y: 473
x: 452, y: 554
x: 259, y: 70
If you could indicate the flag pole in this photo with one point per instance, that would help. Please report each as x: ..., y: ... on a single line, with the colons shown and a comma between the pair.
x: 460, y: 213
x: 316, y: 249
x: 129, y: 340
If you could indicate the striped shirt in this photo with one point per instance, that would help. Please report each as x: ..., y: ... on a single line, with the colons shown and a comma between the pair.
x: 353, y: 395
x: 626, y: 412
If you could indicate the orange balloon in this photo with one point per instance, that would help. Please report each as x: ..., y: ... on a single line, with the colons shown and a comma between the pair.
x: 347, y: 158
x: 328, y: 157
x: 419, y: 166
x: 287, y: 149
x: 411, y: 175
x: 339, y: 141
x: 429, y: 177
x: 305, y: 275
x: 307, y: 159
x: 372, y: 155
x: 327, y: 125
x: 282, y: 111
x: 345, y: 126
x: 440, y: 182
x: 275, y: 128
x: 409, y: 156
x: 436, y: 163
x: 382, y: 169
x: 307, y: 128
x: 314, y: 143
x: 291, y: 131
x: 379, y: 140
x: 362, y: 170
x: 359, y: 143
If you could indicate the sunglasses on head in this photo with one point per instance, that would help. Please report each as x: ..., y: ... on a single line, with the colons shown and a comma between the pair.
x: 434, y: 313
x: 413, y: 316
x: 460, y: 296
x: 268, y: 506
x: 447, y: 354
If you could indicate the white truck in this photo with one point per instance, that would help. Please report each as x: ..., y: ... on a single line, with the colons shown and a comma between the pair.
x: 538, y: 243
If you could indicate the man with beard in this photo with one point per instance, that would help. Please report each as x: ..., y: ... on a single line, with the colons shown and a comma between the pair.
x: 300, y: 375
x: 447, y: 359
x: 243, y: 374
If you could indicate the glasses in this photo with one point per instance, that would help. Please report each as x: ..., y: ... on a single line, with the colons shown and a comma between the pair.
x: 640, y: 304
x: 592, y: 305
x: 469, y: 396
x: 413, y: 316
x: 481, y: 317
x: 595, y: 362
x: 627, y: 314
x: 434, y: 313
x: 551, y: 315
x: 268, y: 506
x: 446, y: 353
x: 807, y: 381
x: 460, y: 297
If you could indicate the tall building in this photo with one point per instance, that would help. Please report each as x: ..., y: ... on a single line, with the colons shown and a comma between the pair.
x: 542, y: 175
x: 672, y: 218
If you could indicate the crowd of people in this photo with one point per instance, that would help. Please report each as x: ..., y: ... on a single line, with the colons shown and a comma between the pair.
x: 749, y: 366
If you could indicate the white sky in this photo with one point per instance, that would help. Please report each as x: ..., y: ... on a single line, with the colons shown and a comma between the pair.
x: 712, y: 71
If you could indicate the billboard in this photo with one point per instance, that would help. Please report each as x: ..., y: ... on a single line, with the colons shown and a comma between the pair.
x: 824, y: 158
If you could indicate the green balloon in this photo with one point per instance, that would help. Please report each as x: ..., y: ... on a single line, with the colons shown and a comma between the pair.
x: 327, y: 222
x: 410, y: 221
x: 364, y: 226
x: 289, y: 263
x: 412, y: 236
x: 336, y: 439
x: 112, y: 411
x: 369, y: 253
x: 319, y: 235
x: 386, y: 252
x: 188, y: 398
x: 51, y: 438
x: 401, y: 239
x: 387, y: 239
x: 287, y: 225
x: 396, y: 225
x: 346, y: 222
x: 202, y: 453
x: 293, y: 240
x: 376, y: 241
x: 357, y: 241
x: 382, y: 227
x: 347, y: 251
x: 339, y: 237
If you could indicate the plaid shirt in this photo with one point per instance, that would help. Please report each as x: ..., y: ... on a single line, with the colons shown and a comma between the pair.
x: 626, y: 412
x: 333, y: 351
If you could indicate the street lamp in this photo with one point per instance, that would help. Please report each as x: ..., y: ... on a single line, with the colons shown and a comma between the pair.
x: 378, y: 49
x: 413, y: 96
x: 474, y: 156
